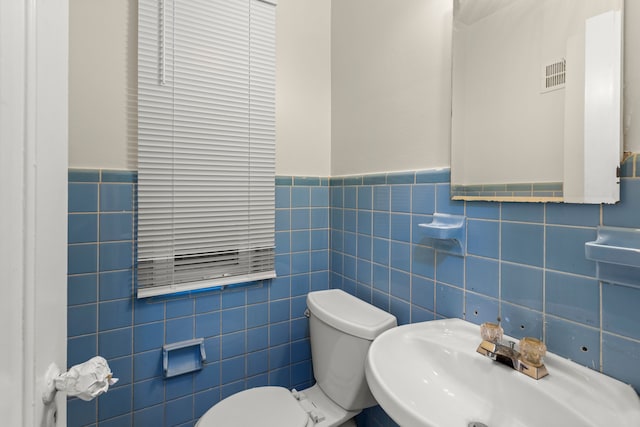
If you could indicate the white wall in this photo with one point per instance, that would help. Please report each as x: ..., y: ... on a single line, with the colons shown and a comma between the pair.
x: 631, y: 84
x: 303, y: 87
x: 391, y: 96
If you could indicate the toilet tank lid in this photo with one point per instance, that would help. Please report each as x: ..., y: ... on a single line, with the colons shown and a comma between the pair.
x: 349, y: 314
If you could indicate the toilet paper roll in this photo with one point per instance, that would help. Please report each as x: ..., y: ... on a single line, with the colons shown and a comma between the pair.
x: 87, y: 380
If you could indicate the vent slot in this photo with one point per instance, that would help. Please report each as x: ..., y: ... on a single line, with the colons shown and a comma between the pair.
x: 554, y: 76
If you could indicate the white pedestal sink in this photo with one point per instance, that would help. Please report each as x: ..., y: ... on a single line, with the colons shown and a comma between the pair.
x: 429, y: 374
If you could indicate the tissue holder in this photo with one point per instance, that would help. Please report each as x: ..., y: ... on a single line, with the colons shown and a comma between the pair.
x: 183, y: 357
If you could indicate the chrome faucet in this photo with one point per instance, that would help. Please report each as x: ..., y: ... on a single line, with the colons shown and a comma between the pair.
x: 528, y: 360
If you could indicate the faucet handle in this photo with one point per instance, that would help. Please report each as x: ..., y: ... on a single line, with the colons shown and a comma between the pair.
x: 491, y: 332
x: 532, y: 350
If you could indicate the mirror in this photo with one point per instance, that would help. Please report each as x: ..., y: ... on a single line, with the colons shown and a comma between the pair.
x: 537, y: 100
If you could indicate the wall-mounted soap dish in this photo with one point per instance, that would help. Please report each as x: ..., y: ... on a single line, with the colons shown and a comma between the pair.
x: 183, y: 357
x: 617, y: 254
x: 447, y: 233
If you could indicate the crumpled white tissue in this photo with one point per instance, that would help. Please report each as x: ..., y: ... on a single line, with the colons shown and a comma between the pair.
x: 87, y: 380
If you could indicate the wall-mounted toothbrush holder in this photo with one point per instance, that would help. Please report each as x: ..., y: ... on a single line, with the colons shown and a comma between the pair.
x: 616, y: 252
x: 182, y: 357
x: 447, y: 233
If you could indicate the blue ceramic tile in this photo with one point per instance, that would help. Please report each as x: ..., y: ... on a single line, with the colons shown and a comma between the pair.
x: 299, y: 285
x: 148, y: 337
x: 400, y: 178
x: 401, y: 256
x: 376, y: 179
x: 179, y: 411
x: 257, y: 315
x: 284, y: 181
x: 82, y: 259
x: 433, y: 176
x: 81, y: 320
x: 81, y: 289
x: 444, y: 204
x: 400, y: 284
x: 320, y: 197
x: 336, y: 196
x: 319, y: 261
x: 363, y: 272
x: 180, y: 329
x: 208, y: 302
x: 620, y: 312
x: 381, y: 251
x: 480, y: 309
x: 483, y: 210
x: 573, y: 297
x: 300, y: 197
x: 83, y: 228
x: 381, y: 224
x: 116, y: 402
x: 573, y: 341
x: 115, y: 314
x: 482, y: 276
x: 401, y: 227
x: 234, y: 344
x: 283, y: 265
x: 319, y: 280
x: 350, y: 197
x: 279, y: 333
x: 381, y: 198
x: 350, y: 221
x: 84, y: 175
x: 257, y: 363
x: 81, y: 349
x: 283, y: 197
x: 400, y: 309
x: 569, y: 214
x: 119, y: 176
x: 207, y: 324
x: 449, y: 301
x: 521, y: 322
x: 300, y: 263
x: 522, y: 243
x: 450, y: 269
x: 401, y: 198
x: 423, y: 261
x: 83, y: 198
x: 207, y: 377
x: 423, y: 199
x: 232, y: 388
x: 300, y: 241
x: 422, y: 293
x: 365, y: 197
x: 364, y: 244
x: 483, y: 238
x: 122, y: 420
x: 116, y: 226
x: 365, y: 222
x: 620, y: 359
x: 349, y: 267
x: 523, y: 212
x: 124, y: 369
x: 283, y: 220
x: 279, y: 311
x: 319, y: 239
x: 300, y: 219
x: 306, y: 180
x: 151, y: 416
x: 115, y: 343
x: 147, y: 311
x: 380, y: 279
x: 179, y: 308
x: 212, y: 349
x: 256, y: 294
x: 637, y: 166
x: 116, y: 197
x: 148, y: 393
x: 116, y: 256
x: 81, y: 413
x: 116, y: 285
x: 283, y: 242
x: 280, y: 288
x: 624, y: 213
x: 522, y: 285
x: 565, y: 250
x: 319, y: 218
x: 233, y: 298
x: 147, y: 365
x: 233, y: 320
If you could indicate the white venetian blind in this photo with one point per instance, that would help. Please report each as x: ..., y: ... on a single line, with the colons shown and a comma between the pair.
x: 206, y: 143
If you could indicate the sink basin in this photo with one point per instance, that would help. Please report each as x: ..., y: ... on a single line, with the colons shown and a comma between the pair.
x: 429, y: 374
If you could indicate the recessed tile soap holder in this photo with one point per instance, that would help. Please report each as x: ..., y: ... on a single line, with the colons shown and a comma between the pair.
x: 616, y: 252
x: 447, y: 232
x: 183, y: 357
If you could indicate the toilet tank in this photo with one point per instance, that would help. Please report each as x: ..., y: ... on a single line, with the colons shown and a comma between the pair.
x: 342, y: 328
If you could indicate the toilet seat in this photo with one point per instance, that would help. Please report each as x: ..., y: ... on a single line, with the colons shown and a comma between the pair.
x: 260, y: 406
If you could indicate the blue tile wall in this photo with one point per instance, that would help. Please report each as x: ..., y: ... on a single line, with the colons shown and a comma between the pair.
x: 524, y: 263
x: 254, y: 335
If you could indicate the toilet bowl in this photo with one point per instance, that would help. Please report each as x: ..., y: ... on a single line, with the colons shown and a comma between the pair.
x: 341, y: 329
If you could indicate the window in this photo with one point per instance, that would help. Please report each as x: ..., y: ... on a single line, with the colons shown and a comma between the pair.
x: 206, y: 143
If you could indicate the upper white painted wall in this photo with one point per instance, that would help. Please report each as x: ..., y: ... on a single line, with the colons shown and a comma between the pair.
x: 391, y: 85
x: 363, y: 85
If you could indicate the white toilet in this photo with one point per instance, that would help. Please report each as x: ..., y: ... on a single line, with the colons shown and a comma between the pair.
x: 341, y: 328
